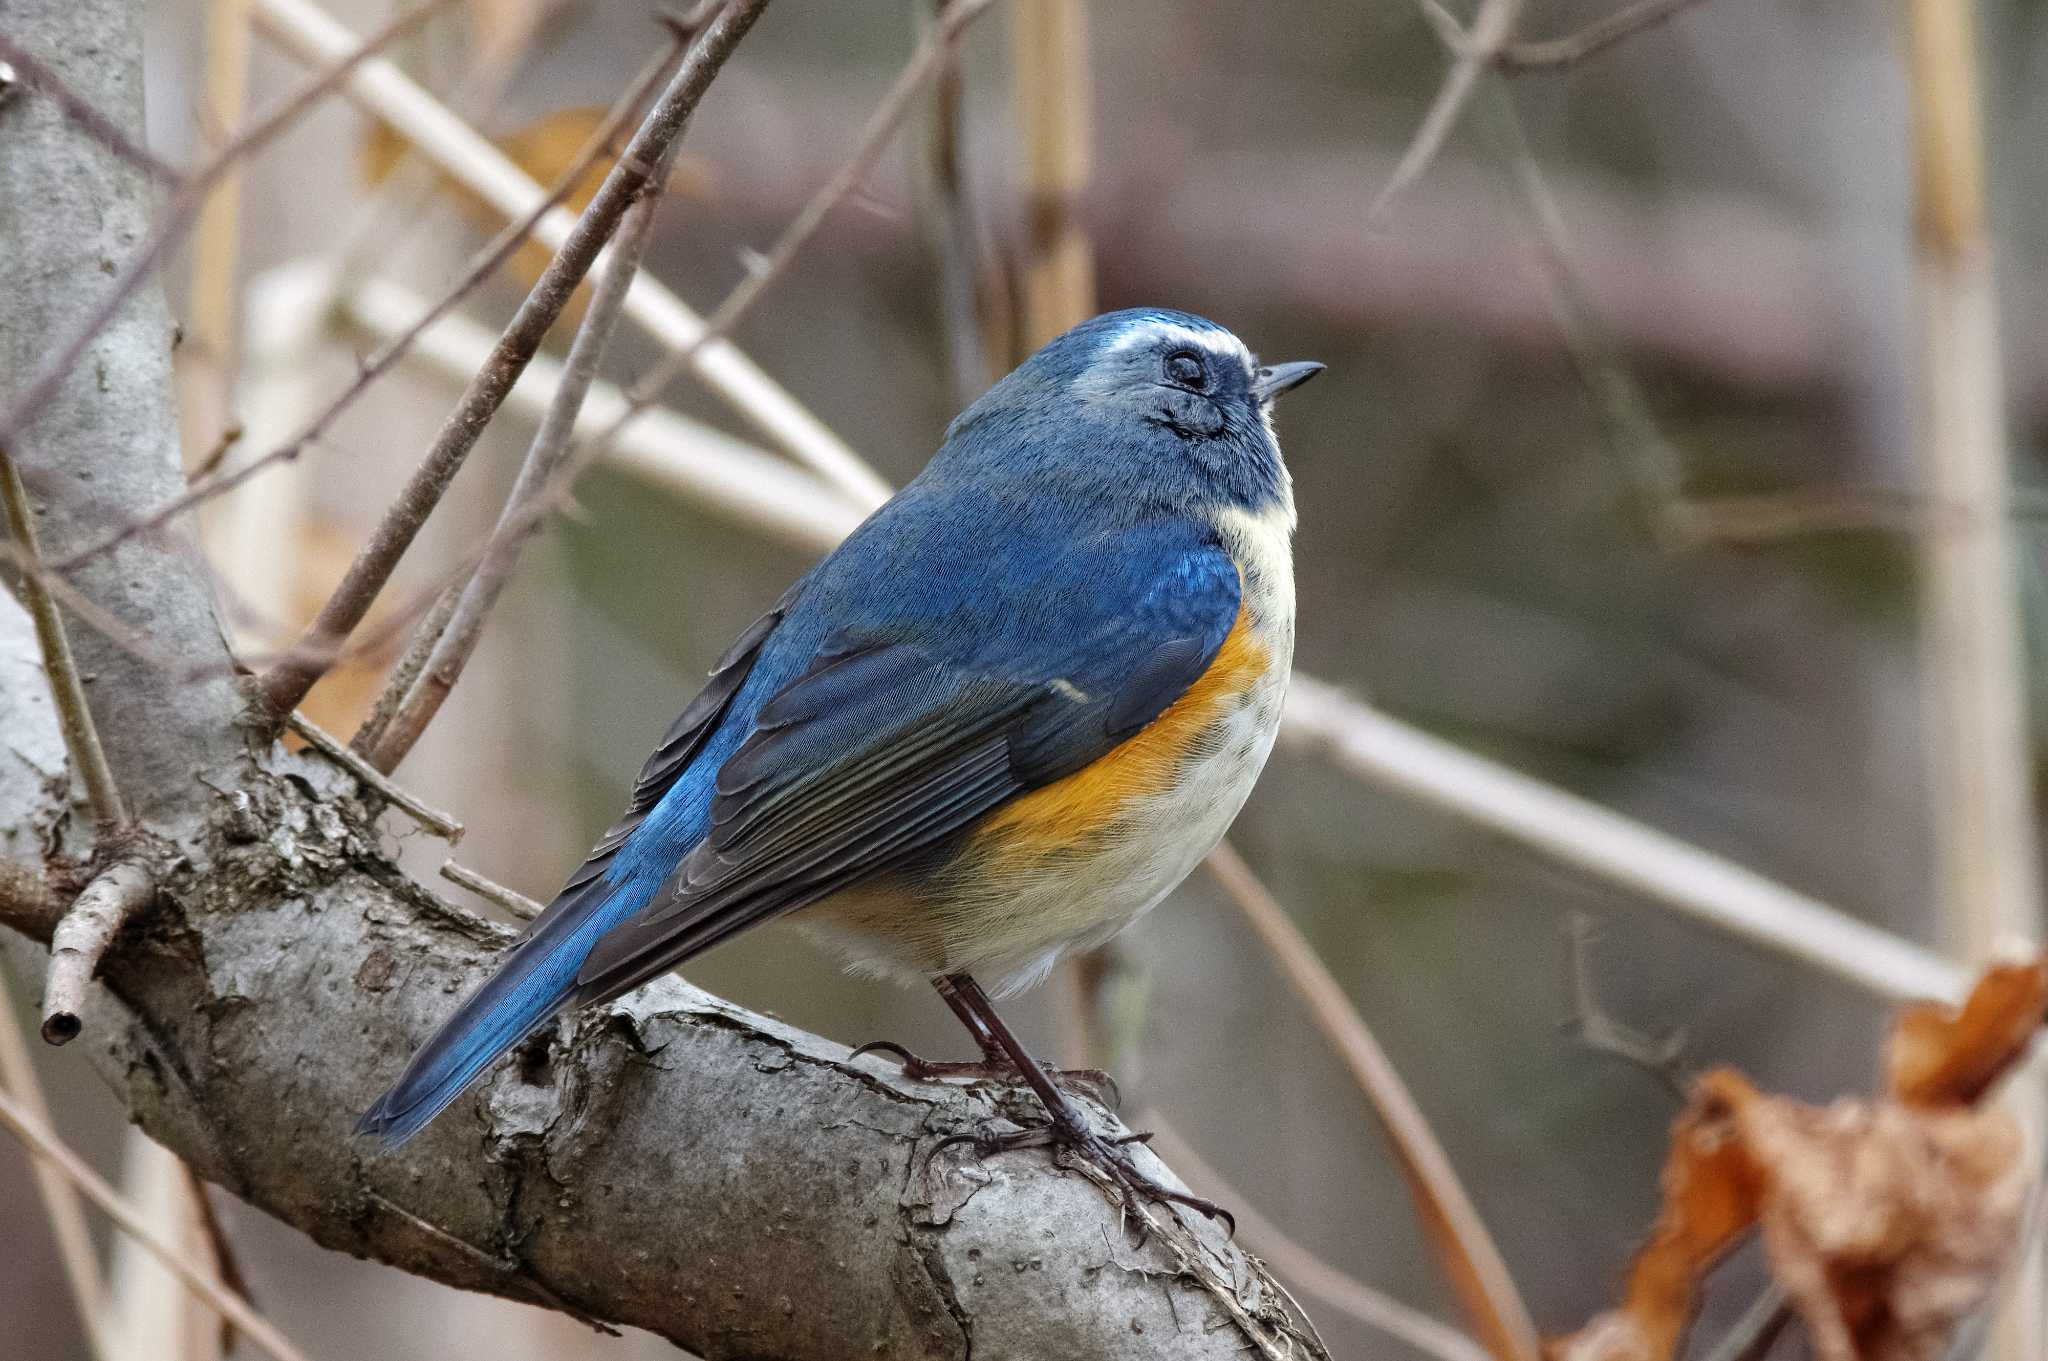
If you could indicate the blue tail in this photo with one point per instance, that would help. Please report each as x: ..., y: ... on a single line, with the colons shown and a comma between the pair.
x: 534, y: 982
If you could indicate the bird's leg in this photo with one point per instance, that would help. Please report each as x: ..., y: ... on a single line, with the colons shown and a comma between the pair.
x: 1069, y: 1127
x: 994, y: 1064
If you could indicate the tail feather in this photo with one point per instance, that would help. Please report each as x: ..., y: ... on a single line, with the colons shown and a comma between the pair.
x: 535, y: 981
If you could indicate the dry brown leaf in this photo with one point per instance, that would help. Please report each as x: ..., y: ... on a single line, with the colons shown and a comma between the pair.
x: 1887, y: 1221
x: 1887, y: 1225
x: 1711, y: 1195
x: 1939, y: 1056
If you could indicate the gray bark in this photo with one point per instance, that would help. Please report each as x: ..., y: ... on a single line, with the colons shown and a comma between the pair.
x: 71, y: 211
x: 673, y: 1161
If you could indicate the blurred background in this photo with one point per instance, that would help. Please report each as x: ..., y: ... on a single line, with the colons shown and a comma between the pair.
x: 1489, y: 479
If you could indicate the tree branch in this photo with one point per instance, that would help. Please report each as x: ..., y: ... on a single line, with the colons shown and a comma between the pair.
x: 449, y: 641
x: 281, y: 688
x: 139, y: 271
x: 81, y: 737
x: 24, y: 1125
x: 81, y: 941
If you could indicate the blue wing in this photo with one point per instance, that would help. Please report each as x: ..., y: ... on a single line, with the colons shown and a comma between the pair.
x: 917, y: 679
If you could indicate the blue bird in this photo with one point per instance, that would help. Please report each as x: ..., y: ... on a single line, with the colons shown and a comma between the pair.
x: 998, y: 723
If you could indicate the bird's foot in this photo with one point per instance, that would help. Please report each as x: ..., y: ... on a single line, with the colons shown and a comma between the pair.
x: 1066, y: 1133
x: 1092, y: 1083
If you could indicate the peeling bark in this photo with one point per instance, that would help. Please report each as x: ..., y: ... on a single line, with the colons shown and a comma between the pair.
x: 669, y: 1161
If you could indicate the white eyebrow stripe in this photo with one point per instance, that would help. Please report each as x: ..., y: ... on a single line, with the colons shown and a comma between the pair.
x: 1222, y: 344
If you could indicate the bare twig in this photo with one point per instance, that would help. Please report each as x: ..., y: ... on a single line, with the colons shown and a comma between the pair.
x: 81, y: 940
x: 1751, y: 1337
x: 946, y: 216
x: 486, y: 264
x: 227, y: 1263
x: 33, y: 74
x: 694, y: 462
x: 60, y: 1198
x: 434, y: 820
x: 1594, y: 1027
x: 1474, y: 1263
x: 1649, y: 467
x: 1577, y: 832
x: 470, y: 159
x: 513, y: 901
x: 1492, y: 29
x: 1980, y: 774
x: 506, y: 1267
x: 419, y: 647
x: 179, y: 216
x: 1310, y: 1273
x: 1051, y: 96
x: 451, y: 650
x: 641, y: 397
x: 41, y: 1141
x: 281, y: 688
x: 932, y: 55
x: 1556, y: 54
x: 67, y: 687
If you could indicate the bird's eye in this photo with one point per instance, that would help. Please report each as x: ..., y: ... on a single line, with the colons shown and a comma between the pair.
x: 1184, y: 368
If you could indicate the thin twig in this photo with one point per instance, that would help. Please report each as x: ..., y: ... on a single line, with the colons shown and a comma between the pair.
x: 1975, y: 686
x: 502, y: 1267
x: 67, y: 687
x: 61, y: 1204
x: 469, y: 158
x: 929, y: 57
x: 932, y: 55
x: 283, y: 686
x: 946, y: 217
x: 31, y: 72
x: 1650, y: 467
x: 398, y: 682
x: 1756, y: 1330
x: 81, y: 940
x: 483, y: 267
x: 1556, y: 54
x: 1492, y: 29
x: 512, y: 900
x: 452, y: 650
x: 1372, y: 1307
x: 1594, y: 1027
x: 1050, y: 94
x: 443, y: 825
x: 227, y: 1262
x: 1474, y: 1263
x: 686, y: 459
x: 183, y: 211
x: 1575, y: 831
x: 40, y: 1140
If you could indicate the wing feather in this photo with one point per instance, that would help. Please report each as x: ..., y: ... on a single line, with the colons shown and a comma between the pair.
x: 884, y: 748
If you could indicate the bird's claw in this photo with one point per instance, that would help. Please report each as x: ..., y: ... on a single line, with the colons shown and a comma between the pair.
x: 1106, y: 1154
x: 1092, y: 1083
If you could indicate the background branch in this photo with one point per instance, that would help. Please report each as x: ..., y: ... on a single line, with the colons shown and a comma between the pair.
x: 637, y: 169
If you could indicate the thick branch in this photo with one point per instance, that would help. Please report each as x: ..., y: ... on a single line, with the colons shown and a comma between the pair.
x: 71, y: 214
x: 676, y: 1167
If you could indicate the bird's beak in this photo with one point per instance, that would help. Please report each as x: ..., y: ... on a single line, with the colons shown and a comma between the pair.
x: 1275, y: 379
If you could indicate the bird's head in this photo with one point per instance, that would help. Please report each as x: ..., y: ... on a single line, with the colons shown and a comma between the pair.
x: 1148, y: 405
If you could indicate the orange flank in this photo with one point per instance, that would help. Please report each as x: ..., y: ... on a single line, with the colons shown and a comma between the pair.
x: 1067, y: 812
